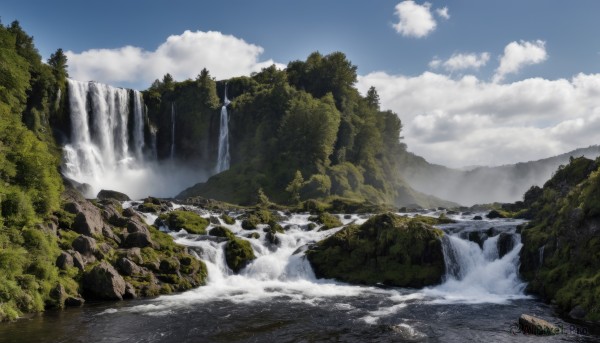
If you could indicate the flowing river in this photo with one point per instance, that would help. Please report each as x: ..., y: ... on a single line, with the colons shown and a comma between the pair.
x: 277, y: 298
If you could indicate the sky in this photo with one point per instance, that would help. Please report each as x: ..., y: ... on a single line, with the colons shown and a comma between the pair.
x: 475, y: 82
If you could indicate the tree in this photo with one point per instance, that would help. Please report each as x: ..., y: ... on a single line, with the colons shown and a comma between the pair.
x: 294, y: 187
x: 58, y: 62
x: 373, y: 98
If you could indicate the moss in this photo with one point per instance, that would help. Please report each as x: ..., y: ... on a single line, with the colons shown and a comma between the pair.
x: 227, y: 219
x: 220, y: 231
x: 386, y: 249
x: 442, y: 219
x: 187, y: 220
x: 327, y: 220
x: 238, y: 253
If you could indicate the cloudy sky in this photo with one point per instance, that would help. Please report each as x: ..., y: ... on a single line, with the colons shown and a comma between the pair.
x: 474, y: 82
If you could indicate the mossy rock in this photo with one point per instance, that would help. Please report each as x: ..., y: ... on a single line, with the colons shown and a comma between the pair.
x: 387, y: 249
x: 329, y: 221
x: 238, y: 253
x: 187, y: 220
x: 227, y: 219
x: 220, y: 231
x: 442, y: 219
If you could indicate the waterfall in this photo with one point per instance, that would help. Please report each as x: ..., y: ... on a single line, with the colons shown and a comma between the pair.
x: 481, y: 271
x: 172, y: 155
x: 100, y: 138
x: 223, y: 157
x: 138, y: 129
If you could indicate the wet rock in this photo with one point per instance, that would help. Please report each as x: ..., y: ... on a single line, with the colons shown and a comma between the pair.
x: 169, y: 266
x: 477, y: 218
x: 254, y: 235
x: 108, y: 194
x: 220, y: 231
x: 74, y: 301
x: 129, y: 292
x: 129, y: 212
x: 103, y: 282
x: 238, y: 253
x: 214, y: 220
x: 536, y: 326
x: 505, y: 244
x: 58, y: 295
x: 493, y: 214
x: 578, y: 312
x: 477, y: 237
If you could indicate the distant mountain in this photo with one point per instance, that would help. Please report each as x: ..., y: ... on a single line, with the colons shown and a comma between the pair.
x: 480, y: 185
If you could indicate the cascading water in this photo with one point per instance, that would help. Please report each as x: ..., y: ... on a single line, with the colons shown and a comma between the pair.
x: 172, y: 154
x: 223, y: 157
x: 481, y: 263
x: 100, y: 141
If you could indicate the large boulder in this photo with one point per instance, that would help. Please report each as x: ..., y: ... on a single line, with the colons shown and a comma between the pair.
x: 187, y: 220
x: 138, y: 240
x: 103, y: 282
x: 85, y: 245
x: 387, y: 249
x: 238, y: 253
x: 108, y: 194
x: 536, y: 326
x: 128, y: 267
x: 64, y: 261
x: 136, y: 226
x: 505, y: 243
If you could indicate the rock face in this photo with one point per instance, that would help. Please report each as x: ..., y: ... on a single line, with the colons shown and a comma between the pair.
x: 386, y: 249
x: 505, y: 244
x: 559, y: 256
x: 85, y: 245
x: 103, y: 282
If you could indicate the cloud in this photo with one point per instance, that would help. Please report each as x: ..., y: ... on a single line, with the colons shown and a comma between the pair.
x: 181, y: 55
x: 414, y: 20
x: 467, y: 121
x: 443, y: 12
x: 458, y: 62
x: 519, y: 54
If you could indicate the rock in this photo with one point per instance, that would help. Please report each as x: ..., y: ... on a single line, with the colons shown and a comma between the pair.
x: 493, y: 214
x: 129, y: 212
x: 103, y: 282
x: 104, y: 248
x: 133, y: 254
x: 64, y: 261
x: 329, y: 221
x: 88, y: 221
x: 189, y: 221
x: 309, y: 227
x: 220, y: 231
x: 227, y: 219
x: 135, y: 226
x: 491, y: 232
x: 138, y: 240
x: 536, y: 326
x: 249, y: 224
x: 58, y: 295
x: 129, y: 292
x: 505, y: 244
x: 272, y: 237
x: 254, y: 235
x: 107, y: 194
x: 169, y: 266
x: 387, y: 249
x: 108, y: 233
x: 85, y: 245
x: 578, y: 312
x: 214, y: 220
x: 128, y: 267
x: 477, y: 237
x: 78, y: 261
x: 238, y: 253
x: 74, y: 301
x: 477, y: 218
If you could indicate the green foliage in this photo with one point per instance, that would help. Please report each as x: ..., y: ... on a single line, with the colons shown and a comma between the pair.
x: 294, y: 187
x: 565, y: 212
x: 187, y: 220
x: 227, y: 219
x: 386, y: 249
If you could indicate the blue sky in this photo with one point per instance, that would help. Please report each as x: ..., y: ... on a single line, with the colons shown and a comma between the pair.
x: 514, y: 77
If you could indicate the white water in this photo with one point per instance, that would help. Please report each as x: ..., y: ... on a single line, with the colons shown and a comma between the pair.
x: 104, y: 153
x: 282, y: 272
x: 223, y: 156
x: 172, y: 155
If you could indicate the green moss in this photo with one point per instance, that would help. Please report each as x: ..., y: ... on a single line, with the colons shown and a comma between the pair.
x: 329, y: 221
x: 386, y: 249
x: 238, y: 253
x: 187, y: 220
x: 227, y: 219
x: 220, y: 231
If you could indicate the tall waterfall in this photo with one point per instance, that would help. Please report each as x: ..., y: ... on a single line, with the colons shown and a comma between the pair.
x: 172, y: 154
x: 223, y: 158
x: 100, y: 138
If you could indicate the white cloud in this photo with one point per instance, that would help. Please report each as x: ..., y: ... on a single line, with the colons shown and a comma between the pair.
x: 467, y: 121
x: 519, y: 54
x: 414, y: 20
x: 443, y: 12
x: 181, y: 55
x: 458, y: 62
